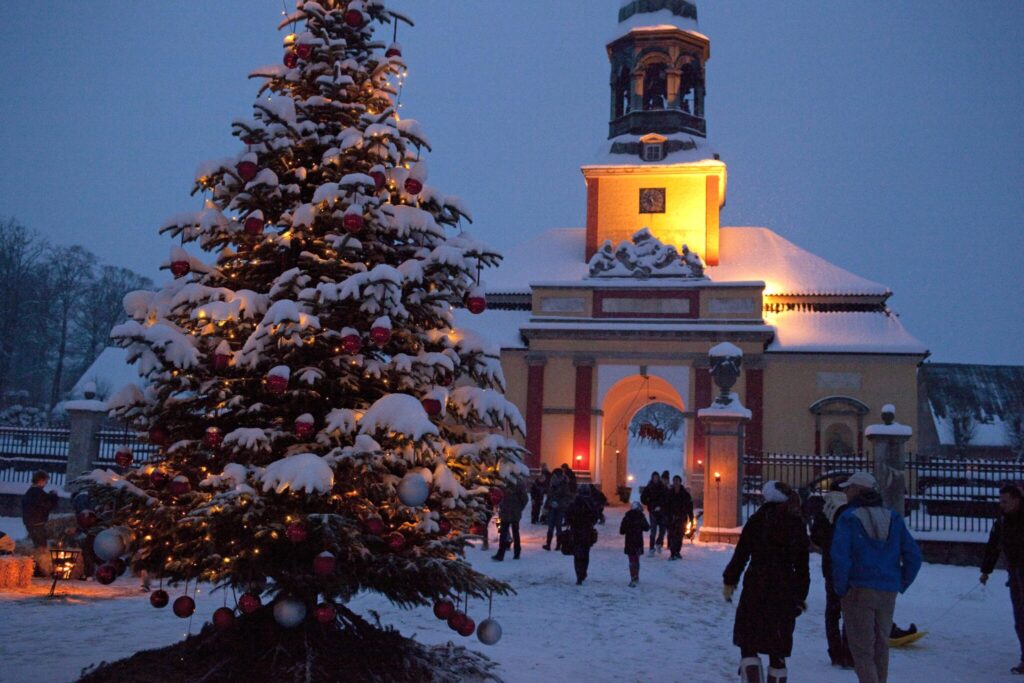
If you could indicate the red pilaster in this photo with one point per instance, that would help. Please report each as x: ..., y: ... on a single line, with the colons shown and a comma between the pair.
x: 534, y: 409
x: 755, y: 403
x: 701, y: 399
x: 582, y: 416
x: 593, y: 190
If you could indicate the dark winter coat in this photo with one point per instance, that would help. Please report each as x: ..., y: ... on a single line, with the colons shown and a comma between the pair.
x: 822, y: 531
x: 1007, y: 536
x: 570, y: 477
x: 775, y: 543
x: 559, y: 495
x: 653, y: 496
x: 580, y: 517
x: 678, y: 506
x: 539, y: 487
x: 633, y: 526
x: 36, y: 505
x: 515, y: 500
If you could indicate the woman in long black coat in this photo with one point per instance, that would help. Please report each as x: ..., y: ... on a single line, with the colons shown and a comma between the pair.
x: 774, y: 541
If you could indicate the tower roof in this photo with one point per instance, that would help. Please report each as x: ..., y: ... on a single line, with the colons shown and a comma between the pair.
x: 657, y: 14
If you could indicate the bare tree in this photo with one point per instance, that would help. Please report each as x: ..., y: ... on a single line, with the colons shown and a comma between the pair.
x: 964, y: 426
x: 1015, y: 433
x: 21, y: 252
x: 71, y: 272
x: 100, y: 309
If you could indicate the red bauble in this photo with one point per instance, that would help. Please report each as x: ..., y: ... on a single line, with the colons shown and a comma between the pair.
x: 184, y: 606
x: 456, y: 620
x: 291, y: 60
x: 444, y: 609
x: 324, y: 564
x: 432, y: 406
x: 351, y: 343
x: 221, y: 361
x: 354, y: 18
x: 179, y: 486
x: 180, y: 268
x: 276, y: 384
x: 106, y: 574
x: 123, y: 457
x: 374, y: 525
x: 413, y: 186
x: 468, y: 627
x: 86, y: 519
x: 158, y: 478
x: 476, y: 304
x: 325, y: 613
x: 158, y: 436
x: 444, y: 527
x: 379, y: 180
x: 247, y: 170
x: 393, y: 51
x: 495, y: 495
x: 296, y: 532
x: 249, y: 603
x: 304, y: 429
x: 304, y: 51
x: 353, y: 222
x: 213, y: 438
x: 380, y: 335
x: 396, y: 541
x: 224, y: 618
x: 253, y: 226
x: 159, y: 599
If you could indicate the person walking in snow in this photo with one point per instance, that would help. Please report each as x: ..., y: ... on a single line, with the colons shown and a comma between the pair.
x: 538, y: 488
x: 581, y: 516
x: 510, y: 511
x: 558, y: 498
x: 1007, y: 537
x: 874, y: 558
x: 633, y: 526
x: 678, y: 512
x: 774, y: 542
x: 653, y: 497
x: 36, y: 506
x: 822, y: 529
x: 570, y: 477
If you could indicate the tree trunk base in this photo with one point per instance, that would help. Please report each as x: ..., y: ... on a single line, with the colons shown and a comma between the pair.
x: 257, y: 649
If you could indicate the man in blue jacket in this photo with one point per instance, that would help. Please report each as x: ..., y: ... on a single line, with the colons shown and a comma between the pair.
x: 874, y: 557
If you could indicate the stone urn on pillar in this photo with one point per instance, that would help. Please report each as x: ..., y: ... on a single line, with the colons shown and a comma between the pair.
x: 724, y: 421
x: 888, y: 443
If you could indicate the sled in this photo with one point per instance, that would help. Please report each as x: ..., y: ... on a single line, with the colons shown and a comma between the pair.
x: 907, y: 639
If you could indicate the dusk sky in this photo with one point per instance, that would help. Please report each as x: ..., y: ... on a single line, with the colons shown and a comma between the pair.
x: 885, y: 137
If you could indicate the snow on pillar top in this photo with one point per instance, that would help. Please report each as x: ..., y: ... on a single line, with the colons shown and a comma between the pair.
x: 725, y: 350
x: 681, y: 14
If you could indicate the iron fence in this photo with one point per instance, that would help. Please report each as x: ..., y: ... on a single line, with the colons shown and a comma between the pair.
x: 944, y: 498
x: 110, y: 441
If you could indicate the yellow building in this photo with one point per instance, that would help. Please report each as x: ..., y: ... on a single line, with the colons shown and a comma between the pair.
x: 595, y: 323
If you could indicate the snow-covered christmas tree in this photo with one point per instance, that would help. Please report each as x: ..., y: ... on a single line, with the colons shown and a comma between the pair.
x: 324, y: 429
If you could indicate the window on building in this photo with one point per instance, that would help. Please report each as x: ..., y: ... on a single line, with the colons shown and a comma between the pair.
x: 656, y: 86
x: 653, y: 151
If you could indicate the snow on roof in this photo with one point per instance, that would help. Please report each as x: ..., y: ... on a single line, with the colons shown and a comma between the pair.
x: 745, y: 254
x: 762, y: 254
x: 992, y: 394
x: 496, y: 326
x: 693, y: 150
x: 110, y: 372
x: 639, y: 19
x: 846, y: 332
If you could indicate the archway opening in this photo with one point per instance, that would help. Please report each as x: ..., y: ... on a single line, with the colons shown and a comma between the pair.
x: 657, y: 438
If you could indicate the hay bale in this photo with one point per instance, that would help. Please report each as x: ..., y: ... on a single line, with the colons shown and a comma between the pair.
x: 16, y: 571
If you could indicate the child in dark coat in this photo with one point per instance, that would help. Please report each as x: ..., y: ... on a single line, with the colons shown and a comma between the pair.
x: 633, y: 526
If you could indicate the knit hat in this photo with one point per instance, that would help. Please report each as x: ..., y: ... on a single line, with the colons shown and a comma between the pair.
x: 772, y: 494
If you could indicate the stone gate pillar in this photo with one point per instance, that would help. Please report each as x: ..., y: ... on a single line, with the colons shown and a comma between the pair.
x: 724, y: 423
x: 86, y: 419
x: 888, y: 448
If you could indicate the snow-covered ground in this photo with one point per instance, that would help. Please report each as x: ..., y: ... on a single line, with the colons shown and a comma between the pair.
x: 645, y: 457
x: 673, y: 627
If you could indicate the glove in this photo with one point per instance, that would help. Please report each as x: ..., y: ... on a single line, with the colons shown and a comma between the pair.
x: 727, y: 592
x: 983, y: 579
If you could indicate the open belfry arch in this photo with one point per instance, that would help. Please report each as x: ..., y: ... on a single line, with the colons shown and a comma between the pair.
x: 636, y: 299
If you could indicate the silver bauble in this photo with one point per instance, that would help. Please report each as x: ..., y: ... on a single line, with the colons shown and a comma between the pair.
x: 413, y: 490
x: 489, y: 631
x: 109, y: 544
x: 289, y: 613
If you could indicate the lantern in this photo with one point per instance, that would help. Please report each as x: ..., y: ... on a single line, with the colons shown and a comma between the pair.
x: 353, y: 222
x: 296, y: 532
x: 247, y: 170
x: 123, y: 457
x: 213, y: 438
x: 413, y: 186
x: 63, y: 561
x: 253, y: 226
x: 351, y: 343
x: 432, y: 406
x: 324, y: 564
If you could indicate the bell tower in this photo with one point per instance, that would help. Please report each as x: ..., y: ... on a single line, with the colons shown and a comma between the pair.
x: 657, y: 169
